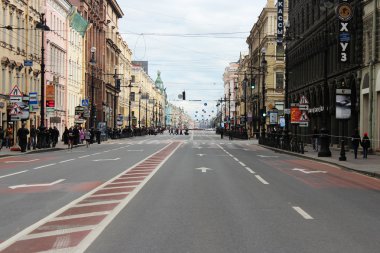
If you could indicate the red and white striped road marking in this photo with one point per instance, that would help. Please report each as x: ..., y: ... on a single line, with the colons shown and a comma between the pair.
x: 74, y: 227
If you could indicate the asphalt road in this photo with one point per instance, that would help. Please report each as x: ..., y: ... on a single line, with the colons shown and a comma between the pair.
x: 194, y: 193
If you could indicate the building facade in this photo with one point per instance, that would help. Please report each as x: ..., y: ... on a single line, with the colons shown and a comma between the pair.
x: 370, y: 73
x: 315, y: 65
x: 265, y: 70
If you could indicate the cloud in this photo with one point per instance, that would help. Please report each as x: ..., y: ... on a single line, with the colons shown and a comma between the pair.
x: 188, y: 62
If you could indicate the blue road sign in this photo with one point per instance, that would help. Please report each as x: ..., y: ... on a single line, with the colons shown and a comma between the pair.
x: 84, y: 102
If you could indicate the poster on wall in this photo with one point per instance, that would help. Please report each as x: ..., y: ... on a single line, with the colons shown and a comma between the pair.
x: 343, y: 106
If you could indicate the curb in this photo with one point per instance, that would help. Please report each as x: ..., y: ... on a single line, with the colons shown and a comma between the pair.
x: 367, y: 173
x: 38, y: 151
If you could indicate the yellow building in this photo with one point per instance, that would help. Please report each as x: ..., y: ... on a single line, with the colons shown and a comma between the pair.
x: 19, y: 41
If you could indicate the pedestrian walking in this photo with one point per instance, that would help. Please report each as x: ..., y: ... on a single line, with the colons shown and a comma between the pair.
x: 71, y: 138
x: 87, y: 136
x: 55, y: 136
x: 366, y: 143
x: 33, y: 137
x: 81, y: 135
x: 221, y: 133
x: 355, y: 141
x: 65, y: 136
x: 22, y: 135
x: 2, y: 137
x: 9, y: 137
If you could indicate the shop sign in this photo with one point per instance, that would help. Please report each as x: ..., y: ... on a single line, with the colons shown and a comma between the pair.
x: 280, y: 21
x: 344, y: 12
x: 343, y: 104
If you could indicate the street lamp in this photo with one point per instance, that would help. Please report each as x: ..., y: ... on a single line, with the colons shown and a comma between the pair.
x: 93, y: 106
x: 236, y: 102
x: 245, y: 83
x: 130, y: 103
x: 140, y: 107
x: 115, y: 98
x: 43, y: 27
x: 324, y: 136
x: 264, y: 67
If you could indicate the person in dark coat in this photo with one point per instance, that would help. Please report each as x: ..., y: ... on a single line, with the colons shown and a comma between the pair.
x: 221, y: 133
x: 366, y: 143
x: 1, y: 137
x: 65, y: 136
x: 355, y: 140
x: 22, y: 135
x: 76, y: 135
x: 55, y: 136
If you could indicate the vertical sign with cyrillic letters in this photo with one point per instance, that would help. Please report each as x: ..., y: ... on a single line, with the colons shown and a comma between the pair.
x: 280, y: 21
x: 344, y: 12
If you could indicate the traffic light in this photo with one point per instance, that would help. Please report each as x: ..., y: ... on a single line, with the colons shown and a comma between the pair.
x: 183, y: 95
x: 253, y: 83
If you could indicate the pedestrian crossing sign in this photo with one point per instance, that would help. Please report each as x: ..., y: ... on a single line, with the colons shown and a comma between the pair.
x: 16, y: 110
x: 303, y: 100
x: 15, y: 92
x: 304, y: 117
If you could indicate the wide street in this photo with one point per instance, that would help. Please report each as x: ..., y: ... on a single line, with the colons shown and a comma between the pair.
x: 174, y: 194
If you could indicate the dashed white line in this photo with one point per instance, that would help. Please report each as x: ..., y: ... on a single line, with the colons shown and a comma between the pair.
x: 84, y: 156
x: 242, y: 164
x: 65, y: 161
x: 304, y: 214
x: 261, y: 179
x: 44, y: 166
x: 14, y: 174
x: 236, y: 159
x: 250, y: 171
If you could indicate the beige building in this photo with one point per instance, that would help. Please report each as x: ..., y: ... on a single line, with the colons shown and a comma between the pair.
x: 265, y: 69
x: 16, y: 45
x: 370, y: 86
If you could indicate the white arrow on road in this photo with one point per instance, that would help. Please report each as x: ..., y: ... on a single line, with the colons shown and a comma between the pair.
x: 22, y: 161
x: 309, y: 171
x: 36, y: 185
x: 201, y: 155
x: 203, y: 169
x: 267, y: 156
x: 102, y: 160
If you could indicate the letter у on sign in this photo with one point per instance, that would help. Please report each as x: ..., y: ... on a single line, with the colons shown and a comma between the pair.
x: 344, y: 12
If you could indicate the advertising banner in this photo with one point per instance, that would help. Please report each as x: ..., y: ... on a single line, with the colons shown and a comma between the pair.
x: 295, y: 114
x: 50, y: 97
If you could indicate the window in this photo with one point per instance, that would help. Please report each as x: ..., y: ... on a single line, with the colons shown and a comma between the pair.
x: 280, y: 52
x: 279, y: 81
x: 133, y: 96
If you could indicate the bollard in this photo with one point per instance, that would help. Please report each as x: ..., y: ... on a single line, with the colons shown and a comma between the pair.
x: 342, y: 152
x: 302, y: 148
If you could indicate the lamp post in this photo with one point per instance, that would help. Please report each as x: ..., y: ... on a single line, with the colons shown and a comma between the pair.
x: 93, y: 106
x: 263, y: 66
x: 115, y: 100
x: 236, y: 101
x: 324, y: 133
x: 229, y: 109
x: 245, y: 82
x: 139, y: 107
x: 130, y: 104
x: 146, y: 109
x: 43, y: 27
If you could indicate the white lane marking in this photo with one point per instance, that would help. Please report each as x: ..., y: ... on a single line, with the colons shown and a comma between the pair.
x: 44, y: 166
x: 36, y: 185
x: 14, y: 174
x: 101, y: 160
x: 22, y: 161
x: 98, y: 153
x: 261, y: 179
x: 250, y: 171
x: 201, y: 155
x: 56, y: 232
x: 309, y: 171
x: 81, y: 216
x: 98, y: 203
x: 203, y: 169
x: 67, y: 161
x: 236, y: 159
x: 84, y: 156
x: 304, y: 214
x: 242, y: 164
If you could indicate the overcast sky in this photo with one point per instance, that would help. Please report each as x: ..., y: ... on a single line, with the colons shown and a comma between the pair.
x: 191, y: 42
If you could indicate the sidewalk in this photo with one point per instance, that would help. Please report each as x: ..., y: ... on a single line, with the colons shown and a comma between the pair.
x: 370, y: 166
x: 4, y: 152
